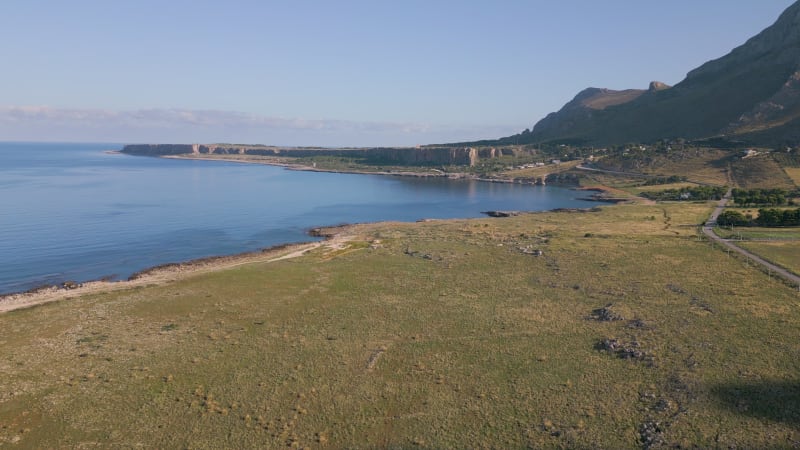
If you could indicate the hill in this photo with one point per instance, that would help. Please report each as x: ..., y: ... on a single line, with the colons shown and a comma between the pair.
x: 751, y: 94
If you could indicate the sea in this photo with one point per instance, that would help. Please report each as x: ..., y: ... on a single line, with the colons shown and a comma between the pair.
x: 79, y: 212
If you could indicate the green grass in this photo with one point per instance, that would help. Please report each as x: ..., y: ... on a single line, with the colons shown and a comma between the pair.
x: 758, y: 233
x: 442, y: 335
x: 784, y: 254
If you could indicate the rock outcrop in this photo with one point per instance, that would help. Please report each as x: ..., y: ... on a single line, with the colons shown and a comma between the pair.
x: 657, y: 86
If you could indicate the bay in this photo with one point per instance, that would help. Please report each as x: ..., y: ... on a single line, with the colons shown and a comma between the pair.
x: 75, y: 212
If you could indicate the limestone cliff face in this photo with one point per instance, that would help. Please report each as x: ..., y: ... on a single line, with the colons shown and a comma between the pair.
x: 462, y: 156
x: 159, y: 149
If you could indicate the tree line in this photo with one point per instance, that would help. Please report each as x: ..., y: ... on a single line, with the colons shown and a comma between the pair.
x: 771, y: 197
x: 767, y: 217
x: 664, y: 180
x: 688, y: 193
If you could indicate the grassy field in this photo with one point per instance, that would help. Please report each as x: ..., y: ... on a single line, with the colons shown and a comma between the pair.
x: 440, y: 334
x: 784, y: 254
x: 758, y: 233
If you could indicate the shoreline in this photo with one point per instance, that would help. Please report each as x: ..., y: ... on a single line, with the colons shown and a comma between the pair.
x: 604, y: 194
x: 305, y: 168
x: 334, y: 237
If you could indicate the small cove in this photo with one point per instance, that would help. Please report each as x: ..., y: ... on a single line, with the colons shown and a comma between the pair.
x: 74, y: 212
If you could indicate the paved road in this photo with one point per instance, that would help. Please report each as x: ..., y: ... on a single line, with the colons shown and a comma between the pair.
x: 708, y: 230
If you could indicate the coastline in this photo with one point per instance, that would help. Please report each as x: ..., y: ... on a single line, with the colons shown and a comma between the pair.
x: 163, y: 273
x: 334, y: 238
x: 305, y: 168
x: 603, y: 194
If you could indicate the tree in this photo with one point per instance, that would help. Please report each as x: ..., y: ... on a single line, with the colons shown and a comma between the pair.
x: 730, y: 218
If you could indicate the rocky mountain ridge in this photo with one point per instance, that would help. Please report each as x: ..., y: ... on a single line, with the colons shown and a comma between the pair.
x: 752, y: 93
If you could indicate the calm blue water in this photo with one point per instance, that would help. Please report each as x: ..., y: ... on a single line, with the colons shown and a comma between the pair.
x: 73, y: 212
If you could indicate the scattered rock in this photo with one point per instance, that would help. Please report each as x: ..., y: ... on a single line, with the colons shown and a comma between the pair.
x: 69, y: 285
x: 647, y: 396
x: 638, y: 324
x: 530, y: 251
x: 676, y: 289
x: 650, y: 434
x: 501, y: 213
x: 697, y: 301
x: 624, y: 350
x: 663, y: 405
x: 416, y: 254
x: 373, y: 359
x: 606, y: 314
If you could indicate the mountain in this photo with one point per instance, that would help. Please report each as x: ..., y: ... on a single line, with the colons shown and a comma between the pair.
x: 751, y: 94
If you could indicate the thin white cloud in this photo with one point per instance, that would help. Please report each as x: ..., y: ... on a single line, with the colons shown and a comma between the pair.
x: 184, y: 117
x: 50, y: 123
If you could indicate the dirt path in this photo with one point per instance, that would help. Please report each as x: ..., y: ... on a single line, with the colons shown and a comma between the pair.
x: 169, y: 273
x: 708, y: 230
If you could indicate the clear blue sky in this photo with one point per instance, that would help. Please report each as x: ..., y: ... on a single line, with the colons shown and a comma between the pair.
x: 338, y: 72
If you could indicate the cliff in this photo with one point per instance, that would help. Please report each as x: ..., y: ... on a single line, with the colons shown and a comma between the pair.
x: 461, y: 156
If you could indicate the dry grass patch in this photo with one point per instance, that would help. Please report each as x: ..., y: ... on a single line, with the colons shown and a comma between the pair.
x: 760, y: 171
x: 794, y: 174
x: 540, y: 172
x: 702, y: 165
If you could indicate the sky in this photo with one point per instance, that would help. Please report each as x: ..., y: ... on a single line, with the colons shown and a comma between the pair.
x: 338, y: 73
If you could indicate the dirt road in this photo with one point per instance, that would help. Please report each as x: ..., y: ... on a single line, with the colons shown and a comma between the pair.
x: 708, y: 230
